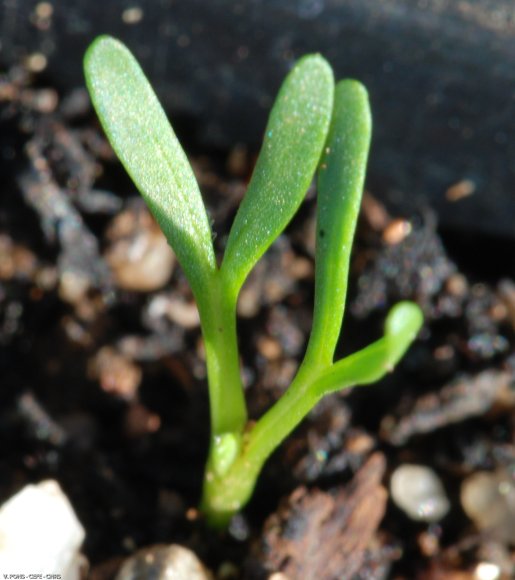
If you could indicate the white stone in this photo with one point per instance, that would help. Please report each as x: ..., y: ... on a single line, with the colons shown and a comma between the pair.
x: 488, y: 498
x: 487, y: 571
x: 40, y: 533
x: 164, y: 562
x: 418, y: 492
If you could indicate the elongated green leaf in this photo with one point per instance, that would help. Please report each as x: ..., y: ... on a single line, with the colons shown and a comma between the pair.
x: 340, y: 186
x: 374, y: 361
x: 294, y: 138
x: 143, y: 139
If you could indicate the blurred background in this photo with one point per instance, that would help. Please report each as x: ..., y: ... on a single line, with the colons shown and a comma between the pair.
x: 439, y: 72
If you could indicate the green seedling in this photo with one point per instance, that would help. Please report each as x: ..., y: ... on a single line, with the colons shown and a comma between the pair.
x: 314, y: 125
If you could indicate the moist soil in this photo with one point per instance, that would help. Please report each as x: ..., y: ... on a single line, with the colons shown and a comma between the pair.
x: 103, y: 384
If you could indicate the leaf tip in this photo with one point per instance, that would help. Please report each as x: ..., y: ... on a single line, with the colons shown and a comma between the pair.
x: 98, y: 44
x: 317, y: 64
x: 405, y: 319
x: 102, y: 49
x: 353, y: 86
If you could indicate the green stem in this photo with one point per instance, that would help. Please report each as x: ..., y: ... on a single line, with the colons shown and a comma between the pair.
x: 226, y: 490
x: 227, y: 493
x: 227, y: 402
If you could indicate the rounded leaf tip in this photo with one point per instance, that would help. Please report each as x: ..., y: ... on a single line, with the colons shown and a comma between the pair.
x: 315, y: 62
x: 405, y: 318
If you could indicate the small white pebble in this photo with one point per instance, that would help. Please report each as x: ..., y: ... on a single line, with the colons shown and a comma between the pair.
x: 488, y: 498
x: 44, y: 10
x: 487, y: 571
x: 163, y: 563
x: 40, y: 533
x: 73, y: 286
x: 132, y: 15
x: 138, y: 253
x: 36, y: 62
x: 418, y: 492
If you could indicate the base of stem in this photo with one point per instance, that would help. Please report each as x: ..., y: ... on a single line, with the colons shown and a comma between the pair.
x: 224, y: 496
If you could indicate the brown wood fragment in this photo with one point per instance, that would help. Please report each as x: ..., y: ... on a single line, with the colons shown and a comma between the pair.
x: 316, y: 534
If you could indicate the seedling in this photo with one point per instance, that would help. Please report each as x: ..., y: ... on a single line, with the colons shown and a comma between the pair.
x: 313, y: 124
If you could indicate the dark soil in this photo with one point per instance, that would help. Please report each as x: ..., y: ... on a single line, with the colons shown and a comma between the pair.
x: 103, y: 383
